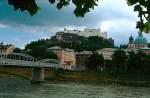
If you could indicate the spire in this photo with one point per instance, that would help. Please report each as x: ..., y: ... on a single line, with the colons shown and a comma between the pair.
x: 131, y: 39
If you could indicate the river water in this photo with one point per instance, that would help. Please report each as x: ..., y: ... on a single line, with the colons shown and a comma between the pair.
x: 21, y: 88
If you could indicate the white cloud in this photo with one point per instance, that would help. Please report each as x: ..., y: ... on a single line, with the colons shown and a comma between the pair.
x: 117, y: 25
x: 3, y: 26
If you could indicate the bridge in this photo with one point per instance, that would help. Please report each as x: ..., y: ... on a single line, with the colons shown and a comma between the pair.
x: 24, y: 60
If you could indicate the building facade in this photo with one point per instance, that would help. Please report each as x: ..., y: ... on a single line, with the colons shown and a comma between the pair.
x: 66, y: 56
x: 6, y: 48
x: 138, y: 43
x: 145, y: 50
x: 88, y: 32
x: 107, y: 53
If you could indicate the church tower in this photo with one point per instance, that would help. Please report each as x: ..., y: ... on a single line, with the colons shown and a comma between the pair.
x: 131, y: 39
x: 131, y: 43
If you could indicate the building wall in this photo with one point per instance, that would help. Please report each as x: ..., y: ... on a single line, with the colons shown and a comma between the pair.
x: 107, y: 53
x: 131, y: 46
x: 147, y: 52
x: 138, y: 46
x: 66, y: 57
x: 7, y: 50
x: 88, y: 32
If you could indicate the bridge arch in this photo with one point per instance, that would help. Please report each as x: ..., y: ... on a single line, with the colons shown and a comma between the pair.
x: 46, y: 62
x: 49, y: 61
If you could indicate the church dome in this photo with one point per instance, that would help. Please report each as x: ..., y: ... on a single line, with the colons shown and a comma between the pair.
x: 141, y: 40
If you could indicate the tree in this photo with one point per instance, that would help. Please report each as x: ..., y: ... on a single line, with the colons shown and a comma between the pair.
x: 108, y: 65
x: 101, y: 58
x: 123, y: 46
x: 17, y: 50
x: 41, y: 53
x: 84, y: 6
x: 140, y: 60
x: 143, y: 9
x: 119, y: 60
x: 29, y: 5
x: 132, y: 63
x: 38, y: 49
x: 95, y: 61
x: 49, y: 55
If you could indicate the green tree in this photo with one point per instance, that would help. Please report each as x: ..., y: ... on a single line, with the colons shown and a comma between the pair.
x: 101, y: 58
x: 93, y: 43
x: 17, y: 50
x: 140, y: 60
x: 95, y: 61
x: 108, y: 65
x: 132, y: 60
x: 41, y: 53
x: 24, y: 5
x: 143, y: 9
x: 38, y: 49
x: 119, y: 60
x: 82, y: 6
x: 123, y: 46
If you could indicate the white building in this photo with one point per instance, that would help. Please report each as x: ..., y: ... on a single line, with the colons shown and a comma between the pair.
x: 88, y: 32
x: 107, y: 53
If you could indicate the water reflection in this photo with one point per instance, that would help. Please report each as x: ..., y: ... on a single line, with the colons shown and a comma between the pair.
x: 20, y: 88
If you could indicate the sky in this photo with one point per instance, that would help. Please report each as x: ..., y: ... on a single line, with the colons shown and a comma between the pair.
x: 114, y: 17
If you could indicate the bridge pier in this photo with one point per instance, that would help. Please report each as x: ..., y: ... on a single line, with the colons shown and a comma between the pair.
x: 37, y: 75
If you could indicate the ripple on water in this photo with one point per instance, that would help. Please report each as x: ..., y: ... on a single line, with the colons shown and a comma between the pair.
x: 21, y: 88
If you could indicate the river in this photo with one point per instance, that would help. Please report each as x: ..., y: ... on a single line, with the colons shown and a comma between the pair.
x: 21, y: 88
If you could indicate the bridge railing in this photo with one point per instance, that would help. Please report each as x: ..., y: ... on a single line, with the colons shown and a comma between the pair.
x: 13, y: 62
x: 19, y: 59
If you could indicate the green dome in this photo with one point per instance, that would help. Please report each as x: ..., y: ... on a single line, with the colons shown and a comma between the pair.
x: 141, y: 40
x: 131, y: 38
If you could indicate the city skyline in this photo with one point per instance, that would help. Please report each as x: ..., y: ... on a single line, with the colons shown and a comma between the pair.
x: 116, y: 18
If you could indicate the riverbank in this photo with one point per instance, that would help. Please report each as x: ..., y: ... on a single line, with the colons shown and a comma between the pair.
x: 51, y: 75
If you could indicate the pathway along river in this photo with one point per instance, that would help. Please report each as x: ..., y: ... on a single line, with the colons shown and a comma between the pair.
x: 21, y: 88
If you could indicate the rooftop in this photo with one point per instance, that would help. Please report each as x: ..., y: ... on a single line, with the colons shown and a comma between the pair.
x: 145, y: 48
x: 140, y: 39
x: 55, y: 48
x: 5, y: 46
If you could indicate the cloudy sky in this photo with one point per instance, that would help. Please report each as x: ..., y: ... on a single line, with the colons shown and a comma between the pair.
x: 20, y: 28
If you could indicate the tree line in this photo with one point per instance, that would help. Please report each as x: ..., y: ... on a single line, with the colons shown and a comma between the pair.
x: 121, y: 62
